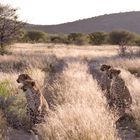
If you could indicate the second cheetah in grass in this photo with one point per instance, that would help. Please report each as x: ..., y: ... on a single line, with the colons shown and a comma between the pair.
x: 120, y: 98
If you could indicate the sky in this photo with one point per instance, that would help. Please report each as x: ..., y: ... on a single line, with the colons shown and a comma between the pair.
x: 48, y: 12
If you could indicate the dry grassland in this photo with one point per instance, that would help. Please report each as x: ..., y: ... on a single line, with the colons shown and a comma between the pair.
x: 80, y: 110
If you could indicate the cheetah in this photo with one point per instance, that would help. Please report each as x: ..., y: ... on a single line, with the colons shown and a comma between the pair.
x: 105, y: 80
x: 37, y: 106
x: 120, y: 97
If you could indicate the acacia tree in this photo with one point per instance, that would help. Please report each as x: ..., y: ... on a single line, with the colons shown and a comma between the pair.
x: 121, y: 38
x: 9, y: 26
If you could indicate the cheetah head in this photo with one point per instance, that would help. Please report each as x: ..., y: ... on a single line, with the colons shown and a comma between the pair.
x: 23, y: 77
x: 105, y: 67
x: 113, y: 73
x: 28, y: 84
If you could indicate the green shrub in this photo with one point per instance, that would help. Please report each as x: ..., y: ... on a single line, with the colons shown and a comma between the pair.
x: 34, y: 36
x: 78, y: 38
x: 5, y: 90
x: 121, y: 38
x: 18, y: 106
x: 58, y: 38
x: 137, y: 41
x: 97, y: 38
x: 16, y: 111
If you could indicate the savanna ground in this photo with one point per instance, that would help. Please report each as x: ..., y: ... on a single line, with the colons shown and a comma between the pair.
x: 66, y: 75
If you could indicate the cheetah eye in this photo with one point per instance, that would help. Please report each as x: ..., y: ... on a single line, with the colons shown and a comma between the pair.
x: 25, y: 77
x: 23, y: 88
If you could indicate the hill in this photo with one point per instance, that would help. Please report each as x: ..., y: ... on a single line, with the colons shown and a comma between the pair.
x: 128, y: 21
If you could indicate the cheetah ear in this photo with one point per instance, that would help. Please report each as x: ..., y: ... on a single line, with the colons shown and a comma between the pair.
x: 118, y: 72
x: 32, y: 83
x: 102, y: 67
x: 108, y: 67
x: 27, y: 76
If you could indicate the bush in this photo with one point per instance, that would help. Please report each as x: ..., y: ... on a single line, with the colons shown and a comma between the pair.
x: 137, y: 41
x: 78, y: 38
x: 97, y: 38
x: 34, y: 36
x: 15, y: 112
x: 121, y: 38
x: 58, y: 39
x: 5, y: 90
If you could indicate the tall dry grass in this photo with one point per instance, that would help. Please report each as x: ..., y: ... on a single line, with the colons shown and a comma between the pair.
x: 132, y: 65
x: 80, y: 112
x: 133, y: 84
x: 61, y: 50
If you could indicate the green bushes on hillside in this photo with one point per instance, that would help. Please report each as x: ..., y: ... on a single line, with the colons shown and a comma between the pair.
x: 34, y: 36
x: 60, y: 38
x: 98, y: 38
x: 78, y: 38
x: 116, y: 37
x: 121, y: 38
x: 137, y: 41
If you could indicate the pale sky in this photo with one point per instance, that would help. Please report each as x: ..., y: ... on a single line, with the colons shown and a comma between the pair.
x: 60, y: 11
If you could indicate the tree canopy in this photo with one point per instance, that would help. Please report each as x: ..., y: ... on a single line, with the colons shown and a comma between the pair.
x: 9, y: 26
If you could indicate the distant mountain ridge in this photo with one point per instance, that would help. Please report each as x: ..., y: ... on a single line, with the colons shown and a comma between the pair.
x: 128, y: 21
